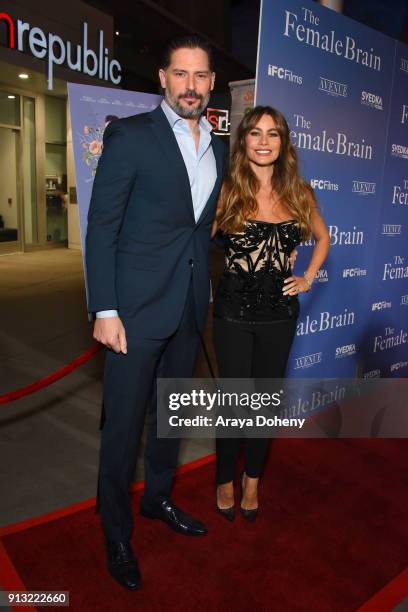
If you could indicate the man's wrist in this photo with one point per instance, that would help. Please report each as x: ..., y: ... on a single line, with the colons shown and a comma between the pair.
x: 106, y: 314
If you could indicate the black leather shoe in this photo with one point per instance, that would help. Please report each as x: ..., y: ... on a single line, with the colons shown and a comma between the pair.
x: 249, y: 515
x: 175, y: 518
x: 122, y: 565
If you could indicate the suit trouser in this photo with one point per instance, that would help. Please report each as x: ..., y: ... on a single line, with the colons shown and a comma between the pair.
x: 129, y: 383
x: 247, y: 350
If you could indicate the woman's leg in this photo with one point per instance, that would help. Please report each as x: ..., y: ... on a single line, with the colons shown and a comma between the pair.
x: 272, y: 344
x: 233, y: 343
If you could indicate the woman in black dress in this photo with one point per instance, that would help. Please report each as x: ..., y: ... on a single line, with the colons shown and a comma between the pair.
x: 265, y: 210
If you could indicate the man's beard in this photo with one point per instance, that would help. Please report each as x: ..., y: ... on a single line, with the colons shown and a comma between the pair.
x: 187, y: 113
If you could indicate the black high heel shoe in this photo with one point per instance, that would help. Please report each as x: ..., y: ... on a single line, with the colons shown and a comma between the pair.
x: 249, y: 515
x: 227, y: 513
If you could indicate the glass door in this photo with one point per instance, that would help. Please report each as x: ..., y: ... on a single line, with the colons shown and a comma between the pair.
x: 10, y: 213
x: 10, y: 218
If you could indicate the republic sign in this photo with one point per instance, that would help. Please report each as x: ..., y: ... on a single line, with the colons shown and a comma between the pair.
x: 51, y: 47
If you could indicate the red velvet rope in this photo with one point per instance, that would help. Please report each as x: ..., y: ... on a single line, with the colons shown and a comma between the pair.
x: 48, y: 380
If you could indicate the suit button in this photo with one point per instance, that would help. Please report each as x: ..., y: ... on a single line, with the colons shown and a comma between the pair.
x: 191, y: 262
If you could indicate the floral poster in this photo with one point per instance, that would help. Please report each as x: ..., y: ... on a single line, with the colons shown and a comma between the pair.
x: 92, y: 109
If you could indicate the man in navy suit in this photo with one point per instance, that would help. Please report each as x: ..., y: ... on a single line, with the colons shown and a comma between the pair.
x: 149, y: 225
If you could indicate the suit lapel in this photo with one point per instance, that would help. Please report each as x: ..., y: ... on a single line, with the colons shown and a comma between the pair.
x: 169, y: 145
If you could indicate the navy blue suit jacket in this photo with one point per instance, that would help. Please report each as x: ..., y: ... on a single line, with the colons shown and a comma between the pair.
x: 142, y: 238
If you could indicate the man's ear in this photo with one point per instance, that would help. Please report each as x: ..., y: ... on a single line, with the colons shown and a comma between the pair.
x: 212, y: 80
x: 162, y: 77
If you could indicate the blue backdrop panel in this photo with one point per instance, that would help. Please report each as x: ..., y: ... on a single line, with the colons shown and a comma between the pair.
x: 331, y: 77
x: 386, y: 341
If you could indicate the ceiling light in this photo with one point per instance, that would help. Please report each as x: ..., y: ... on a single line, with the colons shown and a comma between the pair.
x: 23, y: 75
x: 11, y: 97
x: 117, y: 32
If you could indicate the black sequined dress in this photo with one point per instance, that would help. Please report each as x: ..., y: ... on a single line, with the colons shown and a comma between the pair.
x: 256, y: 264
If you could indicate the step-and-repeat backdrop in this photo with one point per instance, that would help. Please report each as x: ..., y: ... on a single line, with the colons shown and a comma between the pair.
x: 343, y: 88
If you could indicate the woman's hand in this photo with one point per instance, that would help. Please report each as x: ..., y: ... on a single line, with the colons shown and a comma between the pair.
x: 294, y: 285
x: 292, y: 258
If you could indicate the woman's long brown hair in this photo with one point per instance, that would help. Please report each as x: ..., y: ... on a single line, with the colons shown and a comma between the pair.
x: 237, y: 201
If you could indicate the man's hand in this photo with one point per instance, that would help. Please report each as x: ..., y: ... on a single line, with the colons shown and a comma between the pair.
x: 110, y: 332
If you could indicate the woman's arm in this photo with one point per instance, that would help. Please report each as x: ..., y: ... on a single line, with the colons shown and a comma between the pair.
x: 300, y: 284
x: 321, y: 248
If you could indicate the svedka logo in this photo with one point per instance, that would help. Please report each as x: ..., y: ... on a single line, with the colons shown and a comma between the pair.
x: 307, y: 361
x: 404, y: 64
x: 404, y: 113
x: 285, y: 74
x: 325, y: 322
x: 353, y: 272
x: 370, y: 99
x: 51, y: 47
x: 324, y: 185
x: 391, y: 230
x: 398, y: 150
x: 322, y: 276
x: 363, y: 188
x: 345, y: 351
x: 333, y: 87
x: 372, y: 374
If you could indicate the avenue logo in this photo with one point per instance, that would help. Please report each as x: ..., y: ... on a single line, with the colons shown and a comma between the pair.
x: 391, y: 229
x: 333, y: 88
x: 363, y: 188
x: 307, y: 361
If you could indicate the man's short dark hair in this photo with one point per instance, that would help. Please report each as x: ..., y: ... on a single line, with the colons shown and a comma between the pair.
x: 186, y: 41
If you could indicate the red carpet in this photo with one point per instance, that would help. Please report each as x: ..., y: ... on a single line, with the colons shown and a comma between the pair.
x: 332, y: 532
